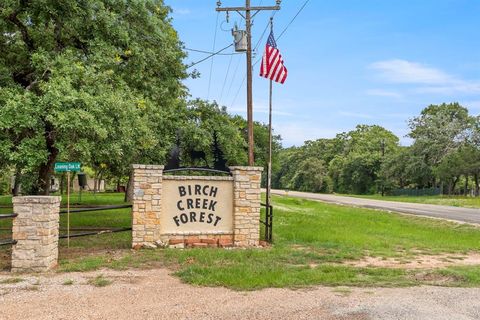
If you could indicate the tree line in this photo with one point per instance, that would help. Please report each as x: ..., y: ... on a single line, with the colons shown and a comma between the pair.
x: 100, y: 82
x: 444, y: 154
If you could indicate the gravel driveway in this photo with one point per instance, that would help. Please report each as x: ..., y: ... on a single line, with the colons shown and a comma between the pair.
x: 154, y: 294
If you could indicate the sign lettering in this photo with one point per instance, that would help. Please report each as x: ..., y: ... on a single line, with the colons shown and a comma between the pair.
x: 197, y: 205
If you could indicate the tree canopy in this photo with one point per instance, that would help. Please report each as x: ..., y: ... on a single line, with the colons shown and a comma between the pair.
x: 90, y: 80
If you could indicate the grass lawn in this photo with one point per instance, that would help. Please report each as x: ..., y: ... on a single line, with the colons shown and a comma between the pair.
x: 456, y: 201
x: 312, y: 242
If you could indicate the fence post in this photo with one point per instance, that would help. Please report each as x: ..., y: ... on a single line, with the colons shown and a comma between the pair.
x: 36, y: 231
x: 147, y: 206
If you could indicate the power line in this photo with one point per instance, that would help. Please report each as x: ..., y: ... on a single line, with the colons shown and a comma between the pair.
x: 238, y: 91
x: 225, y: 80
x: 233, y: 76
x: 213, y: 49
x: 208, y: 57
x: 293, y: 19
x: 210, y: 52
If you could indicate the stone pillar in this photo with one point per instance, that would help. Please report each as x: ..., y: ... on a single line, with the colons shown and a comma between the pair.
x: 246, y: 204
x: 147, y: 206
x: 36, y: 231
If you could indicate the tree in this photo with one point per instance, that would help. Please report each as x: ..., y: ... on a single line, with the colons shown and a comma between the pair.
x: 94, y: 80
x: 349, y: 163
x: 439, y: 130
x: 311, y: 175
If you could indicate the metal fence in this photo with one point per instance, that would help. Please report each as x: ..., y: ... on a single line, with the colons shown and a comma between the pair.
x: 7, y: 242
x: 98, y: 230
x: 268, y: 223
x: 416, y: 192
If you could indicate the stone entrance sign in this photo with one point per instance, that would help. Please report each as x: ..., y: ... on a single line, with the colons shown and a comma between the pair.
x: 197, y: 204
x: 197, y: 211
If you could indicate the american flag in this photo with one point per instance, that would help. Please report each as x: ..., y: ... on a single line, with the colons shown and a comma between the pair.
x: 272, y: 63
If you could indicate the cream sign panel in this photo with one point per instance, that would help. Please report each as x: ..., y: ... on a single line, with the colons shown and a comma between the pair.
x: 197, y: 206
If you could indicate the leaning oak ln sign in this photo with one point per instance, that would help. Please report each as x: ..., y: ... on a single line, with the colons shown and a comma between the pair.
x: 196, y: 211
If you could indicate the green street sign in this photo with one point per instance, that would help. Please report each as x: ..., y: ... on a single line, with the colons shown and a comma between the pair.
x: 67, y: 166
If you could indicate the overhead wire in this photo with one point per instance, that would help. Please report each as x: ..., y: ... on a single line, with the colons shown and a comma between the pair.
x: 255, y: 48
x: 225, y: 80
x: 211, y: 55
x: 211, y: 62
x: 210, y: 52
x: 293, y: 19
x: 233, y: 76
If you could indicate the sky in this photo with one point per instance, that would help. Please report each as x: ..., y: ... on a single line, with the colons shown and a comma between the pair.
x: 349, y: 61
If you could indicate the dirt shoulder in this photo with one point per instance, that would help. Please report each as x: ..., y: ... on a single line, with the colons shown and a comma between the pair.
x: 155, y: 294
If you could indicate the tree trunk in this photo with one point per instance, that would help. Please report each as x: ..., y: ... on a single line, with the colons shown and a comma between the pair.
x: 95, y: 179
x: 16, y: 183
x: 99, y: 182
x: 466, y: 184
x: 128, y: 192
x: 454, y: 184
x: 477, y: 187
x: 45, y: 170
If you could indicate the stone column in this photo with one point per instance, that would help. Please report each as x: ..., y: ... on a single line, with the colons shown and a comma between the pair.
x: 147, y: 206
x: 36, y: 231
x: 246, y: 205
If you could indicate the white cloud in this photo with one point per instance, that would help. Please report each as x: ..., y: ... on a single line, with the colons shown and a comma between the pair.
x: 355, y: 115
x: 383, y: 93
x: 297, y: 133
x: 258, y: 108
x: 181, y: 11
x: 472, y: 105
x: 431, y: 80
x: 402, y: 71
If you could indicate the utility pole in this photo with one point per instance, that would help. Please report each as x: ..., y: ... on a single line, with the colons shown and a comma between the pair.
x: 248, y: 16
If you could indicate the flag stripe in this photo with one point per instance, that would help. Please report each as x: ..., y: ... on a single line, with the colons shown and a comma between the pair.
x: 272, y: 63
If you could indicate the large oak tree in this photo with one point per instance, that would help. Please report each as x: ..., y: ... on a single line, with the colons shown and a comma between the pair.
x: 91, y: 80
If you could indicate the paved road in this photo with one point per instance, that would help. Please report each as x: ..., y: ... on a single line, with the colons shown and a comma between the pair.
x: 436, y: 211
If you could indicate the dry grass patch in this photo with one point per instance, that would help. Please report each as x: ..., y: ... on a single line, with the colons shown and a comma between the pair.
x: 419, y: 261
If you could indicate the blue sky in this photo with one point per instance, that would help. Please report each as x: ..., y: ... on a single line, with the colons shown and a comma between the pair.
x: 350, y: 62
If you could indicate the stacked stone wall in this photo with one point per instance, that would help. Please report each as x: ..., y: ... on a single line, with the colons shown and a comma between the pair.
x: 247, y: 197
x: 36, y: 231
x: 147, y: 206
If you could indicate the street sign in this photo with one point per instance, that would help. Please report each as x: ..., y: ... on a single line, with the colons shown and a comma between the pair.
x: 67, y: 166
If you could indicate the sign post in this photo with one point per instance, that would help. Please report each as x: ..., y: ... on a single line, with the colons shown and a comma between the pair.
x: 68, y: 167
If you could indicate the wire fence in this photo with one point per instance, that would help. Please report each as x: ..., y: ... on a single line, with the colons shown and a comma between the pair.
x: 92, y: 231
x: 417, y: 192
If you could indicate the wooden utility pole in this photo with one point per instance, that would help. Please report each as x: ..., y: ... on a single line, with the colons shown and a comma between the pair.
x: 248, y: 16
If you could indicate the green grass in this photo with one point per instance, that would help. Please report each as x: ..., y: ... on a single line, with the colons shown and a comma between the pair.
x: 456, y: 201
x: 68, y: 282
x: 11, y: 281
x: 312, y: 240
x: 100, y: 281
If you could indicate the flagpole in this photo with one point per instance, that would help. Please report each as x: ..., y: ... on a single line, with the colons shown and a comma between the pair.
x: 269, y: 166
